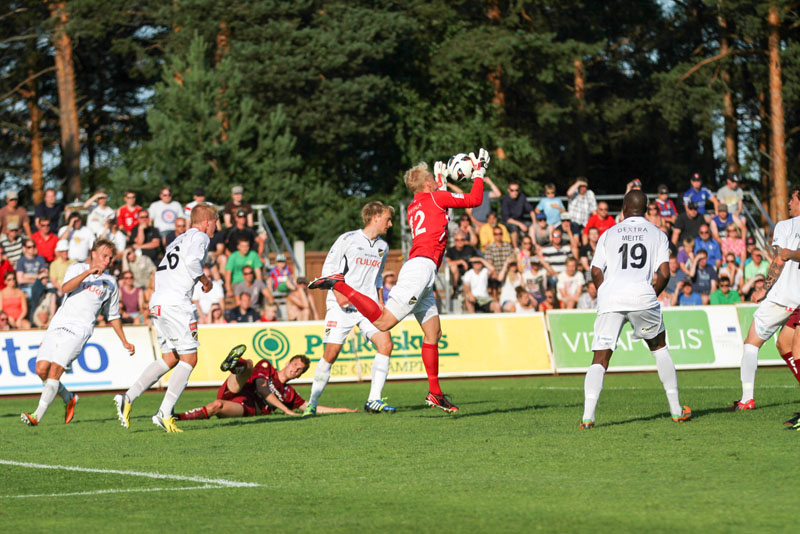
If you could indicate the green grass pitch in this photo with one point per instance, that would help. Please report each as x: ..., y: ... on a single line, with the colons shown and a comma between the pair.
x: 513, y: 460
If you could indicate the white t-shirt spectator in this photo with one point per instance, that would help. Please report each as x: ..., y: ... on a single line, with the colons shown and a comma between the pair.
x: 80, y: 241
x: 478, y: 282
x: 164, y: 214
x: 96, y: 221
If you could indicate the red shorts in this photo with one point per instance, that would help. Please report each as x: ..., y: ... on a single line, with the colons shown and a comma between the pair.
x: 247, y: 400
x: 794, y: 319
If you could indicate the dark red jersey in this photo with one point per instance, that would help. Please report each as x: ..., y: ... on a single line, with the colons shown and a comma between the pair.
x: 285, y: 393
x: 427, y: 218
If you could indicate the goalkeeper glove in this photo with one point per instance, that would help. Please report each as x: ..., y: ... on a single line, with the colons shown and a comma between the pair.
x: 478, y: 170
x: 440, y: 175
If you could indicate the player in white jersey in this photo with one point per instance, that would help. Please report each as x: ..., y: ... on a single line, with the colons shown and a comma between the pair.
x: 88, y: 290
x: 173, y: 316
x: 362, y: 255
x: 630, y: 268
x: 779, y: 298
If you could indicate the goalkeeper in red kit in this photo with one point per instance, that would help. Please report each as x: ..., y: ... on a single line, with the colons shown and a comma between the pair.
x: 414, y: 291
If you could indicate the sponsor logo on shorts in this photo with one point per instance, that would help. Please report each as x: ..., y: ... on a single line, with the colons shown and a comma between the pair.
x: 647, y: 329
x: 67, y: 330
x: 155, y: 310
x: 606, y: 339
x: 412, y: 301
x: 193, y: 330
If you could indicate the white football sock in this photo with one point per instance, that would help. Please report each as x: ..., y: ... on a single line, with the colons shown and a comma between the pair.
x: 321, y: 377
x: 64, y: 393
x: 592, y: 386
x: 149, y: 376
x: 380, y: 369
x: 669, y: 378
x: 748, y: 371
x: 177, y: 383
x: 48, y: 394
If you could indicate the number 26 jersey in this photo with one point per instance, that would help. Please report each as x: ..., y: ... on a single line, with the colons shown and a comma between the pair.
x: 180, y: 267
x: 629, y: 253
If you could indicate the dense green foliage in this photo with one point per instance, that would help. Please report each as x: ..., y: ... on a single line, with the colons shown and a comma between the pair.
x: 316, y: 105
x: 513, y: 460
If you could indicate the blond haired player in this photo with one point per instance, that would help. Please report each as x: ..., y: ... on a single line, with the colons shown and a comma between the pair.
x: 630, y: 267
x: 88, y: 290
x: 414, y: 291
x: 365, y: 253
x: 172, y: 315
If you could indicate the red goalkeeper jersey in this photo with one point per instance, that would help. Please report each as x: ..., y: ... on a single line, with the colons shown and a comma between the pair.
x: 427, y: 218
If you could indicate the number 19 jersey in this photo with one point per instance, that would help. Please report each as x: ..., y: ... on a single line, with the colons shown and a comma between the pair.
x: 629, y: 253
x: 179, y: 269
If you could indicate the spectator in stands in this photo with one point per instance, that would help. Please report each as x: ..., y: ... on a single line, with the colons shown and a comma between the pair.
x: 754, y: 288
x: 14, y: 302
x: 140, y: 265
x: 653, y: 215
x: 12, y: 212
x: 164, y: 211
x: 687, y: 224
x: 198, y: 197
x: 217, y: 317
x: 703, y: 275
x: 128, y: 214
x: 549, y: 302
x: 59, y: 266
x: 524, y: 302
x: 257, y: 289
x: 556, y: 254
x: 734, y: 244
x: 299, y: 304
x: 550, y: 206
x: 676, y: 275
x: 243, y: 313
x: 684, y: 296
x: 724, y: 295
x: 588, y: 300
x: 132, y: 307
x: 516, y: 211
x: 525, y: 254
x: 750, y: 246
x: 704, y: 242
x: 582, y: 203
x: 733, y: 271
x: 486, y: 232
x: 540, y: 231
x: 269, y: 313
x: 205, y: 302
x: 535, y: 280
x: 756, y: 266
x: 570, y: 284
x: 43, y: 311
x: 5, y: 267
x: 100, y: 212
x: 281, y: 277
x: 458, y: 257
x: 731, y: 196
x: 586, y: 252
x: 498, y: 252
x: 79, y: 238
x: 45, y: 240
x: 116, y: 235
x: 389, y: 280
x: 180, y: 228
x: 476, y: 287
x: 480, y: 214
x: 633, y: 184
x: 30, y: 270
x: 510, y: 279
x: 239, y: 231
x: 147, y: 240
x: 720, y: 222
x: 4, y: 322
x: 600, y: 220
x: 699, y: 194
x: 12, y: 242
x: 570, y: 232
x: 666, y: 207
x: 237, y: 261
x: 236, y: 204
x: 686, y: 255
x: 465, y: 226
x: 49, y: 209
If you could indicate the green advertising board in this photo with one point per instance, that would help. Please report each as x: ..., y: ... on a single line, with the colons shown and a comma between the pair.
x: 688, y: 339
x: 769, y: 351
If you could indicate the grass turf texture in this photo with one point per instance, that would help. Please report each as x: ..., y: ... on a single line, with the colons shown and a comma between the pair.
x: 512, y: 460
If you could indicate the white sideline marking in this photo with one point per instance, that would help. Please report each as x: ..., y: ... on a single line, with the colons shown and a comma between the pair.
x: 102, y: 492
x: 207, y: 482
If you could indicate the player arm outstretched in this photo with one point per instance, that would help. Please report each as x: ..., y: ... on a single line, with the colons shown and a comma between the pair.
x: 73, y: 283
x: 271, y: 398
x: 329, y: 409
x: 116, y: 325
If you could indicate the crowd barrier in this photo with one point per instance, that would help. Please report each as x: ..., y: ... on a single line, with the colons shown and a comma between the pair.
x: 699, y: 337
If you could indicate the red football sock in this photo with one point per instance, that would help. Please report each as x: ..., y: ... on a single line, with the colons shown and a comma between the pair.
x: 430, y: 357
x: 368, y: 307
x: 197, y: 413
x: 793, y: 367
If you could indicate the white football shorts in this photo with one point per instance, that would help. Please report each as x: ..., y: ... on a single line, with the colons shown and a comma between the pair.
x: 769, y: 317
x: 176, y: 327
x: 646, y: 324
x: 339, y: 322
x: 413, y: 292
x: 62, y: 345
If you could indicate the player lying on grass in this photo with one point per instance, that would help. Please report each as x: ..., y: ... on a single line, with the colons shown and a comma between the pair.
x: 256, y: 389
x: 88, y: 290
x: 414, y: 291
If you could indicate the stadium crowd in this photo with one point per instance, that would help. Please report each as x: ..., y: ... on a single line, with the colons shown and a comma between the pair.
x: 35, y: 253
x: 528, y: 258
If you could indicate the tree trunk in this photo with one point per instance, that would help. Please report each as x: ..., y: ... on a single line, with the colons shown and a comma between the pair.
x: 579, y: 80
x: 728, y: 108
x: 778, y: 138
x: 765, y: 161
x: 67, y: 102
x: 31, y: 95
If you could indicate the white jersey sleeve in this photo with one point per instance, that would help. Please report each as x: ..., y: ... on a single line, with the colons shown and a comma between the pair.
x: 180, y: 268
x: 365, y: 261
x: 111, y: 306
x: 629, y: 254
x: 786, y: 290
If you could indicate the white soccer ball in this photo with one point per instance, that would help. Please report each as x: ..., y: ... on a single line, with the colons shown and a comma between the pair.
x: 459, y: 167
